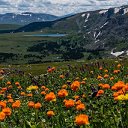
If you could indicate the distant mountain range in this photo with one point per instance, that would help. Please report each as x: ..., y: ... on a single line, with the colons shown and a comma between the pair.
x: 25, y: 18
x: 104, y: 29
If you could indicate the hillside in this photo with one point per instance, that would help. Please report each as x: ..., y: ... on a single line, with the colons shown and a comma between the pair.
x: 25, y: 18
x: 104, y: 29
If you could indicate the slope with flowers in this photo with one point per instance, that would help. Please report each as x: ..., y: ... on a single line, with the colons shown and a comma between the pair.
x: 92, y: 95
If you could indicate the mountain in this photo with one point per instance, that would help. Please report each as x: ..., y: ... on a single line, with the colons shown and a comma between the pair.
x: 25, y: 18
x: 105, y: 29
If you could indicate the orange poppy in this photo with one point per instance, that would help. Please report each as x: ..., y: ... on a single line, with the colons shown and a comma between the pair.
x: 62, y: 76
x: 105, y: 86
x: 69, y: 103
x: 22, y: 94
x: 81, y: 119
x: 43, y: 93
x: 64, y: 86
x: 31, y: 104
x: 2, y: 116
x: 50, y: 96
x: 2, y: 104
x: 8, y: 83
x: 75, y: 85
x: 37, y: 105
x: 7, y: 111
x: 50, y: 113
x: 10, y: 100
x: 17, y: 83
x: 80, y: 107
x: 62, y: 93
x: 100, y: 92
x: 16, y: 104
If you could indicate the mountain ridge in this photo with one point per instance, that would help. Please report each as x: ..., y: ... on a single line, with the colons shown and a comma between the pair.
x: 105, y: 29
x: 25, y: 18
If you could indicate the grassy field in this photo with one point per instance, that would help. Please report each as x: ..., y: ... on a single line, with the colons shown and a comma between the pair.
x: 38, y: 69
x: 18, y: 43
x: 9, y: 26
x: 88, y: 94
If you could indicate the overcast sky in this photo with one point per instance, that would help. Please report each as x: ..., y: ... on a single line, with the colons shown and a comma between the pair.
x: 57, y: 7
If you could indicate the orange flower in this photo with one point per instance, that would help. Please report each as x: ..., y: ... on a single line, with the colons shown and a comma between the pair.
x: 30, y: 95
x: 100, y: 84
x: 31, y: 104
x: 22, y: 94
x: 46, y: 89
x: 75, y: 85
x: 50, y: 113
x: 10, y: 87
x: 17, y: 83
x: 53, y: 68
x: 38, y: 105
x: 2, y: 104
x: 83, y: 82
x: 4, y: 89
x: 7, y: 111
x: 116, y: 71
x: 126, y: 87
x: 10, y: 101
x: 81, y: 119
x: 112, y: 78
x: 49, y: 70
x: 78, y: 102
x: 119, y: 85
x: 80, y: 107
x: 76, y: 97
x: 113, y: 88
x: 69, y: 103
x: 115, y: 94
x: 9, y: 96
x: 19, y: 87
x: 16, y: 104
x: 106, y: 76
x: 50, y: 97
x: 101, y: 68
x: 99, y: 77
x: 2, y: 116
x: 106, y: 86
x: 43, y: 93
x: 64, y: 86
x: 62, y: 76
x: 106, y: 70
x: 8, y: 83
x: 100, y: 92
x: 83, y: 96
x: 119, y: 65
x: 62, y: 93
x: 43, y: 87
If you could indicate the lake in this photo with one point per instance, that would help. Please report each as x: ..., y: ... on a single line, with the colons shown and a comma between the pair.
x: 48, y: 35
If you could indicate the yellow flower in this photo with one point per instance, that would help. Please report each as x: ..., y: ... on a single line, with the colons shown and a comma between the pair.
x: 85, y: 78
x: 30, y: 88
x: 123, y: 97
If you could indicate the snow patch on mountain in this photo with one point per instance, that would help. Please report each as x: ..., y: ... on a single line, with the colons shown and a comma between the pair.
x: 87, y: 17
x: 103, y: 11
x: 98, y: 35
x: 104, y: 25
x: 117, y: 53
x: 116, y: 10
x: 125, y: 10
x: 83, y: 15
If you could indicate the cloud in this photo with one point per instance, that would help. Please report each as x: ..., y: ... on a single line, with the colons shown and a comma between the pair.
x: 57, y: 7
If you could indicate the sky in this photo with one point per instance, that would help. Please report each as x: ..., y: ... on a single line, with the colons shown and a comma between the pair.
x: 57, y: 7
